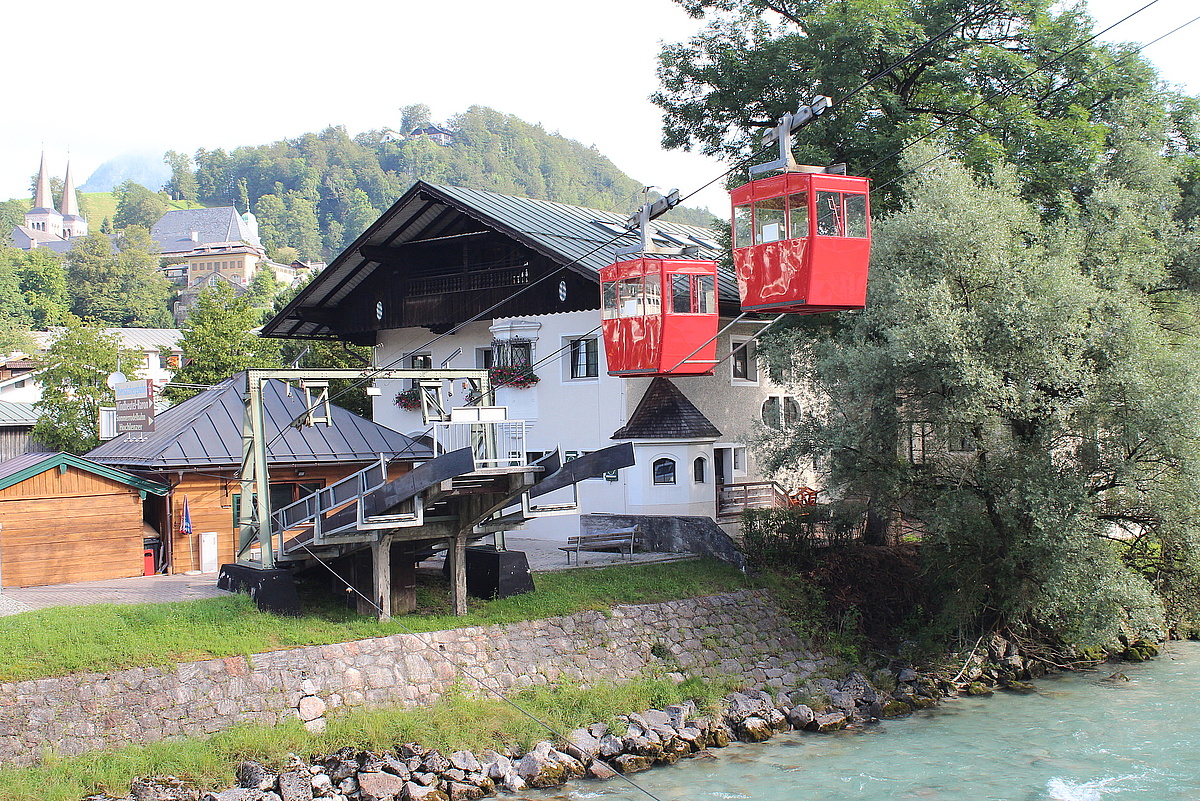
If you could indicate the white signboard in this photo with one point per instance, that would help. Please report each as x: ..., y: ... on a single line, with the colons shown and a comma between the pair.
x: 135, y: 406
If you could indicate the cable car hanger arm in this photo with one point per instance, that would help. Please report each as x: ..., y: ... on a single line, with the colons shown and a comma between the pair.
x: 782, y: 133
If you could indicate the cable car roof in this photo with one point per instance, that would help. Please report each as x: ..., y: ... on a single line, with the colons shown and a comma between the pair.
x: 577, y: 238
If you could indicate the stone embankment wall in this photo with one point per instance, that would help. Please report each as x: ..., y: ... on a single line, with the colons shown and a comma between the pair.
x: 735, y: 634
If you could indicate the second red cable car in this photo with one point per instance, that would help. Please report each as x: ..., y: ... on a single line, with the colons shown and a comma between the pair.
x: 659, y: 316
x: 802, y: 242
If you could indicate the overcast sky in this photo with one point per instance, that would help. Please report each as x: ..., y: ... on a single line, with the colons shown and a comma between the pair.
x: 100, y: 79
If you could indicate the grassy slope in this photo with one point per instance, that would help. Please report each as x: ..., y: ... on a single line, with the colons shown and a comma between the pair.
x: 102, y: 638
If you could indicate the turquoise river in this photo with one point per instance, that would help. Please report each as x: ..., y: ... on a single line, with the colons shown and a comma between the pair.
x: 1078, y: 738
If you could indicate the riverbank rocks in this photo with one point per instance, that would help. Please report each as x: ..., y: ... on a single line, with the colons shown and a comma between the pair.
x: 635, y: 742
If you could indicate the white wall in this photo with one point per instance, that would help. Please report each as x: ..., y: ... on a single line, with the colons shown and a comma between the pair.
x: 582, y: 414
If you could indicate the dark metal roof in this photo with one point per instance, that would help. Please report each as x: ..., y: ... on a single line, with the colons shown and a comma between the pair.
x: 27, y: 465
x: 575, y: 237
x: 173, y: 231
x: 665, y: 413
x: 206, y: 431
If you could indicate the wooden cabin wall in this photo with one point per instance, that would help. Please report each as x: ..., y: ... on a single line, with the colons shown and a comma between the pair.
x: 68, y: 527
x: 210, y: 505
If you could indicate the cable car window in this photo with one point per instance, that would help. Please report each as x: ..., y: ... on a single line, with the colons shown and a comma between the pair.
x: 630, y: 297
x: 768, y: 220
x: 798, y: 214
x: 829, y: 214
x: 742, y: 227
x: 681, y: 294
x: 664, y: 471
x: 706, y: 294
x: 653, y: 294
x: 609, y: 300
x: 856, y: 215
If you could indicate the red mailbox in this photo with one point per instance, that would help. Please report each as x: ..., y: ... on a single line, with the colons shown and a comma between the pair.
x: 802, y: 242
x: 659, y: 316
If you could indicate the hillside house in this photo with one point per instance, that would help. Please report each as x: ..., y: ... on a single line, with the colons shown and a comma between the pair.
x: 441, y: 255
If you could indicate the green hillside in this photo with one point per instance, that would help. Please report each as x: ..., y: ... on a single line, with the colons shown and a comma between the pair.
x: 318, y: 192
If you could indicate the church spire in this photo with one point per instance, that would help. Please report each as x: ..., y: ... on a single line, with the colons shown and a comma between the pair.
x: 42, y: 198
x: 70, y: 204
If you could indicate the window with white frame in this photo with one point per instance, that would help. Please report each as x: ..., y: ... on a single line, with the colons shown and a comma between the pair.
x: 584, y: 358
x: 664, y: 471
x: 484, y: 358
x: 700, y: 470
x: 920, y: 440
x: 744, y: 361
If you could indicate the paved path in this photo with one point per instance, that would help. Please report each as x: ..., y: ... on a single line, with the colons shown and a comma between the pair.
x: 544, y: 556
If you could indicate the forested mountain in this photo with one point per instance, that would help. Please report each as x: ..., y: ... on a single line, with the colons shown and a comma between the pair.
x: 317, y: 192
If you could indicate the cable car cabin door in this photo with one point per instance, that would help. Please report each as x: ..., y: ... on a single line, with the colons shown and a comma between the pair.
x: 802, y: 242
x: 659, y: 317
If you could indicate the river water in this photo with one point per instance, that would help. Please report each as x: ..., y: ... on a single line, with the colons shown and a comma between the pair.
x: 1078, y: 738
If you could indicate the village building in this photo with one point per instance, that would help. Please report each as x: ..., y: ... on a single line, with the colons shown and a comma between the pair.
x: 442, y: 255
x: 196, y: 449
x: 45, y: 226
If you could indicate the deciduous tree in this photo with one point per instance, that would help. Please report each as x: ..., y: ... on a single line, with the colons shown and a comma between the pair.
x: 74, y: 386
x: 219, y: 339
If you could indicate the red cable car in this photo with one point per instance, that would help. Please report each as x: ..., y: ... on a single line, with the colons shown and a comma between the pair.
x: 802, y: 242
x: 659, y: 316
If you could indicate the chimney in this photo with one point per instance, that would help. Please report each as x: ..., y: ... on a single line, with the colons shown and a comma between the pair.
x: 195, y: 236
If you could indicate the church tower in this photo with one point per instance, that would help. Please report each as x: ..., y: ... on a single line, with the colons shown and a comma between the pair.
x: 43, y: 217
x: 73, y: 224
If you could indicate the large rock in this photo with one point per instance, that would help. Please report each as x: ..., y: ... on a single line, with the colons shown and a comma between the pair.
x: 459, y: 791
x: 379, y: 786
x: 599, y: 769
x: 610, y: 746
x: 754, y: 730
x: 632, y: 763
x: 582, y: 745
x: 539, y: 769
x: 417, y: 792
x: 434, y: 762
x: 828, y: 721
x: 235, y: 794
x: 295, y: 784
x: 342, y: 764
x: 254, y: 775
x: 799, y: 716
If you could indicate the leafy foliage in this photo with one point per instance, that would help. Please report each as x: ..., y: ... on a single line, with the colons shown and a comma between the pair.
x: 137, y: 205
x: 122, y: 289
x: 74, y: 386
x: 1013, y: 81
x: 219, y: 339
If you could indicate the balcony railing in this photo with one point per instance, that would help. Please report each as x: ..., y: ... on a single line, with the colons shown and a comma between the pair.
x: 494, y: 440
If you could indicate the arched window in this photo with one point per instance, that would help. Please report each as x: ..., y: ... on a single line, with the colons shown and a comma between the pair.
x: 699, y: 469
x: 664, y: 471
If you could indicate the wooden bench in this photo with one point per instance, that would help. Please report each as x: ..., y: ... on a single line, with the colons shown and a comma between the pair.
x: 622, y: 540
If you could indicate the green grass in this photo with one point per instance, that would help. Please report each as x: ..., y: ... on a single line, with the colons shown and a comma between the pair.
x: 455, y: 722
x: 107, y: 637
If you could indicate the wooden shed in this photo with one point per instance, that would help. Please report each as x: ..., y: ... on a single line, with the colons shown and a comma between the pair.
x: 68, y: 519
